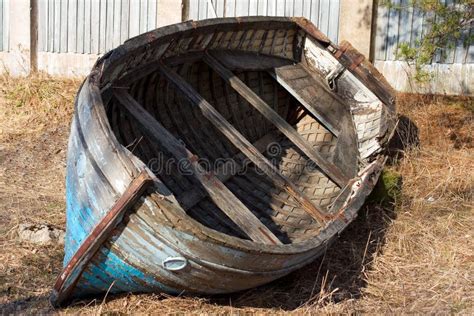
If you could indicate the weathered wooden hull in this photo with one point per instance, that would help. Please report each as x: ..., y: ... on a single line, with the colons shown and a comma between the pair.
x: 158, y: 245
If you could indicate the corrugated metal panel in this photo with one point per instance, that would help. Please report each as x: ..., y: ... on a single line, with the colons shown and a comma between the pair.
x: 323, y: 13
x: 395, y: 26
x: 91, y: 26
x: 4, y: 25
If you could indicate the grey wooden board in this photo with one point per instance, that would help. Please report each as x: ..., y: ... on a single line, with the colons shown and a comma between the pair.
x: 323, y: 13
x: 332, y: 171
x: 218, y: 192
x: 92, y: 26
x: 409, y: 25
x: 240, y: 142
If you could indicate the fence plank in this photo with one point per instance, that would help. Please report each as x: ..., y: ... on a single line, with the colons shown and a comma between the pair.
x: 63, y: 26
x: 124, y: 20
x: 57, y: 27
x: 271, y: 7
x: 2, y: 25
x: 151, y: 14
x: 87, y: 27
x: 134, y: 17
x: 333, y: 23
x: 95, y: 26
x: 392, y: 39
x: 314, y: 15
x: 80, y: 26
x: 71, y: 29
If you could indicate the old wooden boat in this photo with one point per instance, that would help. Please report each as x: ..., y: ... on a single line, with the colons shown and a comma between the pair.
x: 216, y: 156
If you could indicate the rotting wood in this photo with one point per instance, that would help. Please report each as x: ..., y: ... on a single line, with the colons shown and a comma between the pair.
x: 329, y: 169
x: 320, y: 111
x: 224, y: 172
x: 242, y: 143
x: 218, y: 192
x: 66, y: 281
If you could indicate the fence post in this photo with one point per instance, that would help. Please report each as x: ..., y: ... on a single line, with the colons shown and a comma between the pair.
x: 34, y: 35
x: 355, y: 24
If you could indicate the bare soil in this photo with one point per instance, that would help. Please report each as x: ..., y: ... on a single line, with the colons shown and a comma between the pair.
x: 410, y: 250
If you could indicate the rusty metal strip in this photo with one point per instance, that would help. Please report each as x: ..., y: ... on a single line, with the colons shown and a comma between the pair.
x: 68, y: 278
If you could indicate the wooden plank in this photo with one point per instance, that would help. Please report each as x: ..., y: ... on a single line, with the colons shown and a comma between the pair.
x: 323, y: 113
x: 242, y: 143
x: 223, y: 173
x: 328, y: 168
x: 68, y: 278
x: 217, y: 191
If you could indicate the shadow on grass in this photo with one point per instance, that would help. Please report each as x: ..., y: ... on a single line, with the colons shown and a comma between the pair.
x: 339, y: 273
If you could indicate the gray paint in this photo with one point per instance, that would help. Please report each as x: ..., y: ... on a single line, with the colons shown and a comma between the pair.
x: 89, y: 26
x: 323, y: 13
x: 408, y: 25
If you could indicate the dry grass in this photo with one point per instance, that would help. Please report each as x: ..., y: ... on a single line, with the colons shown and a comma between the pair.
x: 410, y: 254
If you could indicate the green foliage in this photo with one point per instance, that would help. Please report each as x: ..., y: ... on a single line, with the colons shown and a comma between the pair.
x: 447, y: 24
x: 388, y: 188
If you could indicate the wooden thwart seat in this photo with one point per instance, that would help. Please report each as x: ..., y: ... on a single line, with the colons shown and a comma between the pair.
x: 329, y: 169
x: 311, y: 94
x: 218, y: 192
x: 241, y: 143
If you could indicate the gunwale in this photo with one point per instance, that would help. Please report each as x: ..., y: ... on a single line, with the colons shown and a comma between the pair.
x: 99, y: 79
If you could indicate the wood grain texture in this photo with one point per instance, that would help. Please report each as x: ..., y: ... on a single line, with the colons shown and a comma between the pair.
x: 242, y: 143
x: 218, y: 192
x: 332, y: 171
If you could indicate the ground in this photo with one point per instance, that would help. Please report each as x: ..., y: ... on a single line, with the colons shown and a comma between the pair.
x: 410, y: 250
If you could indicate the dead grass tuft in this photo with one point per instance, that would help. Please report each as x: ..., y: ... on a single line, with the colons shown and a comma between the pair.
x: 410, y: 249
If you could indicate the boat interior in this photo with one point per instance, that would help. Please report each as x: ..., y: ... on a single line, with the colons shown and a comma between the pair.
x: 253, y: 146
